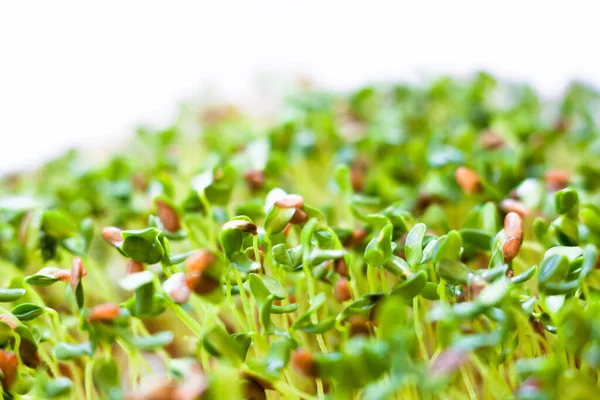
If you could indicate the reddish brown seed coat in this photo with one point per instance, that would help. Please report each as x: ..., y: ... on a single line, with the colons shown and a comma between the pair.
x: 356, y: 238
x: 512, y: 205
x: 299, y: 217
x: 340, y: 266
x: 511, y: 248
x: 63, y: 275
x: 9, y: 320
x: 134, y: 266
x: 304, y: 362
x: 513, y: 226
x: 104, y: 313
x: 253, y: 391
x: 200, y: 283
x: 359, y: 326
x: 476, y: 287
x: 255, y: 179
x: 241, y: 225
x: 77, y: 272
x: 342, y: 290
x: 489, y: 140
x: 199, y: 261
x: 557, y: 179
x: 290, y: 201
x: 8, y: 365
x: 168, y: 216
x: 468, y: 180
x: 112, y: 235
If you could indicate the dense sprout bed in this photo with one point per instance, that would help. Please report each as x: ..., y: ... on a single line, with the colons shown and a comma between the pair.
x: 398, y: 242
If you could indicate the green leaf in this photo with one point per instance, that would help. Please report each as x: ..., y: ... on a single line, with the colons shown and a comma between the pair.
x: 277, y: 219
x: 44, y: 277
x: 68, y: 351
x: 448, y: 247
x: 108, y: 379
x: 453, y: 271
x: 524, y: 276
x: 136, y: 280
x: 590, y: 256
x: 590, y: 218
x: 58, y: 224
x: 27, y: 311
x: 361, y: 306
x: 411, y: 287
x: 476, y: 238
x: 559, y: 288
x: 288, y: 308
x: 144, y: 245
x: 430, y: 291
x: 566, y: 201
x: 157, y: 340
x: 8, y: 295
x: 553, y: 269
x: 57, y: 387
x: 494, y: 293
x: 413, y: 247
x: 219, y: 343
x: 379, y: 250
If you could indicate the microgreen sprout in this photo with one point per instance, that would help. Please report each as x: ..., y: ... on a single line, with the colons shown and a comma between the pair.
x: 397, y: 242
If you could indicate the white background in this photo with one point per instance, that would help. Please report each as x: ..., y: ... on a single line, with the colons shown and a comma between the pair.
x: 82, y: 73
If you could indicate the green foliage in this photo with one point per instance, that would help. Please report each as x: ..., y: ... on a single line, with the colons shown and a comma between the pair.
x: 389, y: 274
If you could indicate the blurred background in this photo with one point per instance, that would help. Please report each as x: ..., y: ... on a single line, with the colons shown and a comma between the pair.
x: 77, y: 74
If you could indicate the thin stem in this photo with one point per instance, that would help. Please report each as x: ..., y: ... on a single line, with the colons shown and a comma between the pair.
x: 245, y: 302
x: 89, y: 383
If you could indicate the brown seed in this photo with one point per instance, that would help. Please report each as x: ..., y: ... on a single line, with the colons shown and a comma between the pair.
x: 513, y: 226
x: 168, y: 216
x: 511, y: 248
x: 241, y: 225
x: 290, y: 201
x: 359, y: 326
x: 510, y: 273
x: 490, y: 140
x: 287, y: 228
x: 342, y: 290
x: 255, y: 179
x: 476, y: 287
x: 299, y: 217
x: 200, y: 283
x: 8, y: 366
x: 356, y: 238
x: 340, y: 266
x: 10, y: 321
x: 253, y: 391
x: 64, y: 275
x: 112, y: 235
x: 176, y: 288
x: 562, y: 124
x: 106, y: 312
x: 155, y: 388
x: 358, y: 169
x: 194, y: 385
x: 77, y: 272
x: 200, y: 261
x: 304, y: 362
x: 557, y: 179
x: 512, y: 205
x: 134, y: 266
x: 140, y: 183
x: 468, y: 180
